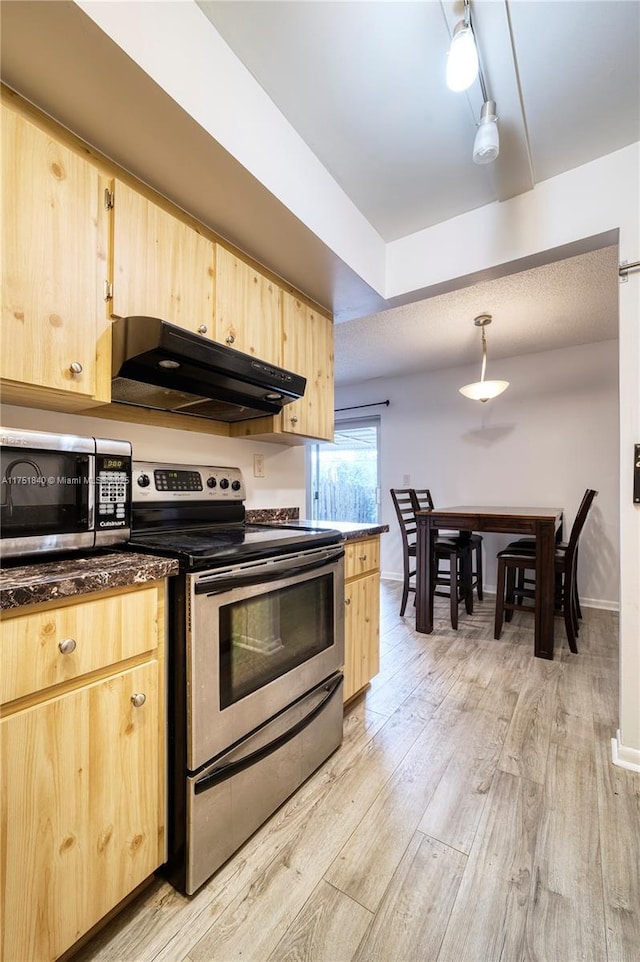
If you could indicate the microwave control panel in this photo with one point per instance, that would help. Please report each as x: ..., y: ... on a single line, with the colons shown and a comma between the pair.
x: 113, y: 491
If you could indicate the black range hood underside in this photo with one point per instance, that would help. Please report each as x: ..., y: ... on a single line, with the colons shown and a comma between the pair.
x: 166, y: 368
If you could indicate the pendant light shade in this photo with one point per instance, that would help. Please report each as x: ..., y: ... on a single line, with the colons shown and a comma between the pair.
x: 462, y: 63
x: 483, y: 390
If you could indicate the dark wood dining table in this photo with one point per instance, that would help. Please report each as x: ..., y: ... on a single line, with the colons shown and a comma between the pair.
x: 541, y: 523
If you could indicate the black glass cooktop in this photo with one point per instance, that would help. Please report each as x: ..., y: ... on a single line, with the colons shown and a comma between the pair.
x: 216, y: 544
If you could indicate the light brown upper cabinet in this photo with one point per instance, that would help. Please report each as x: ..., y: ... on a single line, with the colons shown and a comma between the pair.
x: 159, y: 265
x: 55, y: 343
x: 308, y: 350
x: 248, y: 309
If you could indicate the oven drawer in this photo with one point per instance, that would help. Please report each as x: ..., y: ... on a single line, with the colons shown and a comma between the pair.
x: 232, y: 798
x: 361, y: 557
x: 61, y: 642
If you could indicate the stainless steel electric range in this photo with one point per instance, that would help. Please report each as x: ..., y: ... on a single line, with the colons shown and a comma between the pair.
x: 255, y: 649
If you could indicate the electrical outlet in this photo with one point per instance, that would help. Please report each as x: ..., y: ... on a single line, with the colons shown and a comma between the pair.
x: 258, y: 465
x: 406, y: 480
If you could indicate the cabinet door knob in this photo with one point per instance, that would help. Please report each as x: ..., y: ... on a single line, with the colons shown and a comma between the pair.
x: 294, y: 419
x: 202, y: 329
x: 347, y: 601
x: 363, y: 557
x: 229, y: 338
x: 67, y: 646
x: 75, y: 367
x: 138, y: 699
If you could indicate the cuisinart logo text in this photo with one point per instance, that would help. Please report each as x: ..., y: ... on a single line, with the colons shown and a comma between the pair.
x: 111, y: 524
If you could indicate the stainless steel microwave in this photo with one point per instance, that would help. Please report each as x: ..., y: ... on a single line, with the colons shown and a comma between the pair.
x: 61, y: 492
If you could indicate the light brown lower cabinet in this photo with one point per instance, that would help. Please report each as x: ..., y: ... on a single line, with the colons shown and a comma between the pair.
x: 82, y: 765
x: 362, y: 614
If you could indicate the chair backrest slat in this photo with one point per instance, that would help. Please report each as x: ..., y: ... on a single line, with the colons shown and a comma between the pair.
x: 421, y: 499
x: 580, y: 519
x: 401, y: 498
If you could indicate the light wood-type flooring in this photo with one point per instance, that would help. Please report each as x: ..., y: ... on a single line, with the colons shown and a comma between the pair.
x: 472, y: 814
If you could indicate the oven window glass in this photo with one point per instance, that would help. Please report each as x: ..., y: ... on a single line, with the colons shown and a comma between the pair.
x: 43, y: 492
x: 267, y: 635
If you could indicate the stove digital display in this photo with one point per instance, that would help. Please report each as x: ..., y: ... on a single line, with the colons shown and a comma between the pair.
x: 177, y: 480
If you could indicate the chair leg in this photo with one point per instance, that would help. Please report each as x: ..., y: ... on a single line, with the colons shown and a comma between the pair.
x: 405, y: 593
x: 511, y: 582
x: 453, y: 589
x: 568, y: 618
x: 479, y: 575
x: 576, y: 597
x: 466, y: 572
x: 499, y: 599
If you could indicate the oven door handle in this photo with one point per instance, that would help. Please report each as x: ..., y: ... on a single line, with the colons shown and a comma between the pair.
x: 233, y: 768
x: 259, y: 576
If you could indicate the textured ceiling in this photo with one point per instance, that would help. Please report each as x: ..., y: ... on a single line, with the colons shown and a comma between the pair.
x: 573, y: 301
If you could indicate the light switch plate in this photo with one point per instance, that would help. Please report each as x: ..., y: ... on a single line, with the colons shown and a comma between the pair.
x: 258, y: 465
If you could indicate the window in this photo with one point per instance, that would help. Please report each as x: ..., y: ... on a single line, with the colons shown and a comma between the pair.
x: 344, y: 476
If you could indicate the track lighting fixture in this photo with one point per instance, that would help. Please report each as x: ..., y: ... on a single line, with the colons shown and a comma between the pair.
x: 462, y: 63
x: 463, y: 67
x: 486, y: 146
x: 483, y: 390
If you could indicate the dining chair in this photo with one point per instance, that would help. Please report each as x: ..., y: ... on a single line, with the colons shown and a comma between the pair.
x: 456, y: 552
x: 510, y: 596
x: 528, y: 546
x: 422, y: 501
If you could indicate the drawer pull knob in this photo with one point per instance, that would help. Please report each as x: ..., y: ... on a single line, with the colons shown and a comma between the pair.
x: 75, y: 367
x: 230, y: 339
x: 363, y: 557
x: 294, y: 419
x: 138, y: 699
x: 347, y: 601
x: 67, y: 646
x: 202, y: 329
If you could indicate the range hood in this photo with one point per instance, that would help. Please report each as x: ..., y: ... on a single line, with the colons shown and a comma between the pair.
x: 160, y: 366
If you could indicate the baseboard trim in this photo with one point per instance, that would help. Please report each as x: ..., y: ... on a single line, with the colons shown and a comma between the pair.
x: 491, y: 590
x: 624, y: 756
x: 599, y: 603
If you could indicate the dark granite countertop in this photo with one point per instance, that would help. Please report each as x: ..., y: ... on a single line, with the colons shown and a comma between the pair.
x: 350, y: 530
x: 66, y: 578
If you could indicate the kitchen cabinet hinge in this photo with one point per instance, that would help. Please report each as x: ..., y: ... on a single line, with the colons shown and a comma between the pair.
x: 108, y: 199
x: 108, y: 291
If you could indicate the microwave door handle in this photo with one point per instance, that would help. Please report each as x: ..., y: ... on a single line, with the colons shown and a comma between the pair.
x: 91, y: 501
x: 223, y: 772
x: 262, y: 576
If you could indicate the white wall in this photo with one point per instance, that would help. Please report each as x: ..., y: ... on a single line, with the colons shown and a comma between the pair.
x: 552, y: 434
x: 282, y: 487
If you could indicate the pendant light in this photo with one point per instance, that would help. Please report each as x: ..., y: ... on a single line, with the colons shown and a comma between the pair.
x: 483, y: 390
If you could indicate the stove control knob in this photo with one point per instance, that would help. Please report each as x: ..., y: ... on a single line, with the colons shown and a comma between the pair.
x: 211, y: 482
x: 144, y: 481
x: 235, y: 485
x: 224, y: 483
